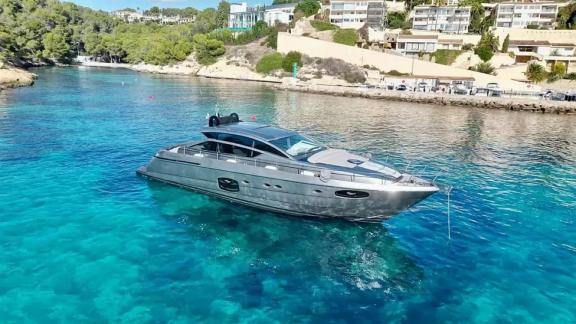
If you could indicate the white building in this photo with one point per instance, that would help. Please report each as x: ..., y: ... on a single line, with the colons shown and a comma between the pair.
x: 135, y: 17
x: 283, y: 13
x: 545, y: 51
x: 171, y: 20
x: 448, y: 19
x: 450, y: 44
x: 354, y: 14
x: 243, y: 17
x: 524, y: 14
x: 415, y: 44
x: 127, y: 15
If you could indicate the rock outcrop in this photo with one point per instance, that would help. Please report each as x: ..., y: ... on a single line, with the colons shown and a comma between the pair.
x: 11, y: 77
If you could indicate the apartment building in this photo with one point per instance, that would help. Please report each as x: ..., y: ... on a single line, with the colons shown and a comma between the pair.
x: 524, y: 14
x: 127, y: 15
x: 243, y: 17
x: 545, y: 51
x: 447, y: 19
x: 354, y: 14
x: 136, y: 17
x: 282, y: 13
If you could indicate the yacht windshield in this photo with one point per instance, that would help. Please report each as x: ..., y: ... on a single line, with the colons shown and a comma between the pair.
x: 296, y: 145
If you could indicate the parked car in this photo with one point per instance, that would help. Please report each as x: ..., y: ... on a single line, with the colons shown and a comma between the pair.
x: 546, y: 94
x: 460, y: 89
x: 402, y: 87
x: 558, y: 96
x: 493, y: 85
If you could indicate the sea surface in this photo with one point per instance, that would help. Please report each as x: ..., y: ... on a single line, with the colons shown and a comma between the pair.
x: 84, y: 239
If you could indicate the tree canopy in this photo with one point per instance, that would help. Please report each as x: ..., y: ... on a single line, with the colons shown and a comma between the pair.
x: 308, y: 7
x: 567, y: 17
x: 32, y: 31
x: 49, y: 31
x: 222, y: 14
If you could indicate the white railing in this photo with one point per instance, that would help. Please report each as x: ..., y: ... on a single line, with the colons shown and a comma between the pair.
x: 321, y: 173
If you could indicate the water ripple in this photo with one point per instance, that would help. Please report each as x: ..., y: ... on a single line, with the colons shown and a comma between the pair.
x: 83, y: 239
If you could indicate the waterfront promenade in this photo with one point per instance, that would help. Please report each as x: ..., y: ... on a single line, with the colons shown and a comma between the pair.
x: 514, y: 103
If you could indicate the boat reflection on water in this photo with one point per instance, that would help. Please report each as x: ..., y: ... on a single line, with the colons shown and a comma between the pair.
x: 289, y: 249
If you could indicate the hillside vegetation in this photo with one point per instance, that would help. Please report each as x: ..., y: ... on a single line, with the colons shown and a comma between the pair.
x: 38, y: 32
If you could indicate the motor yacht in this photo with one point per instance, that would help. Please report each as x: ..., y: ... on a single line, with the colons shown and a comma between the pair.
x: 282, y: 171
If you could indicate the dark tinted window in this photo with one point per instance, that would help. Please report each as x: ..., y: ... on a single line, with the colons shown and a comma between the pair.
x: 228, y: 184
x: 205, y: 146
x: 351, y: 194
x: 235, y: 150
x: 235, y: 139
x: 267, y: 148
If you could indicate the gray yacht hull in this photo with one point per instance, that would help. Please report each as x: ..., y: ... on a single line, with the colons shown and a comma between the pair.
x: 283, y: 192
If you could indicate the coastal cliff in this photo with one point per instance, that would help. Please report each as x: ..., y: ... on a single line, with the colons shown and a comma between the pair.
x: 11, y: 77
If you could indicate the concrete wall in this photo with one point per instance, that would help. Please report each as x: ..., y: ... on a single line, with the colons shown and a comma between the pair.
x: 555, y: 36
x: 386, y: 62
x: 472, y: 39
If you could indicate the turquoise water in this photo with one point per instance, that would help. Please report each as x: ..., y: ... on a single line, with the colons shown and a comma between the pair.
x: 83, y: 239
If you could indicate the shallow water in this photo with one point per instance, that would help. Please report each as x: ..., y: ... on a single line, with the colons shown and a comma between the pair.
x: 82, y: 238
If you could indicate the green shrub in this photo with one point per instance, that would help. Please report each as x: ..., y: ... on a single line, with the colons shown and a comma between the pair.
x: 570, y: 76
x: 484, y: 67
x: 485, y: 53
x: 536, y: 73
x: 467, y: 47
x: 345, y: 36
x: 397, y: 20
x: 207, y: 49
x: 370, y: 67
x: 394, y: 73
x: 558, y: 72
x: 259, y: 30
x: 272, y: 40
x: 340, y: 69
x: 308, y: 7
x: 269, y: 63
x: 320, y: 25
x: 291, y: 58
x: 223, y: 35
x: 445, y: 56
x: 354, y: 77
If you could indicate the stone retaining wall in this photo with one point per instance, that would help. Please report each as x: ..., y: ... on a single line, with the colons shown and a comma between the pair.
x: 513, y: 103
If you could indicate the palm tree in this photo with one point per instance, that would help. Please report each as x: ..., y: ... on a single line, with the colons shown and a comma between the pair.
x: 484, y: 67
x: 535, y: 72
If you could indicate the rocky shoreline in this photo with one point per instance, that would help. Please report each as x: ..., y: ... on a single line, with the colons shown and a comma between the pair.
x: 223, y: 70
x: 11, y: 77
x: 502, y: 103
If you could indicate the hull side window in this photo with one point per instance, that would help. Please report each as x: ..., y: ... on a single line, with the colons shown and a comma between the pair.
x: 351, y: 194
x: 228, y: 184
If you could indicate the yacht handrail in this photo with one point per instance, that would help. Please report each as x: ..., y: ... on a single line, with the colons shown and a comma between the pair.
x: 301, y: 169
